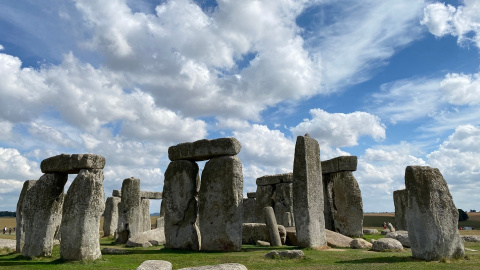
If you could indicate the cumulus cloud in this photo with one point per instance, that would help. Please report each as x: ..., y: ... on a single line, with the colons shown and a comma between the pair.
x: 444, y: 19
x: 461, y: 89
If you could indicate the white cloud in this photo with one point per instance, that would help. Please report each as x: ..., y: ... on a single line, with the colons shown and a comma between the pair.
x: 461, y: 89
x: 442, y: 20
x: 339, y: 129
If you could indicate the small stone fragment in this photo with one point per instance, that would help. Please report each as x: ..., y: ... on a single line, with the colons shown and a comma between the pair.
x: 286, y: 254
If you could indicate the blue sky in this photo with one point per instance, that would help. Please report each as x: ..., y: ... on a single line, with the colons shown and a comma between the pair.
x: 395, y: 83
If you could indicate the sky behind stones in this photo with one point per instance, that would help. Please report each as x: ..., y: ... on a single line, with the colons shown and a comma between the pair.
x: 395, y: 83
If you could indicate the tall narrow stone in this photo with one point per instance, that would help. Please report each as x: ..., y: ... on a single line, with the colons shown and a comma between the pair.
x: 20, y: 235
x: 400, y: 200
x: 130, y: 219
x: 283, y: 203
x: 146, y: 221
x: 42, y: 214
x: 264, y: 198
x: 272, y: 226
x: 432, y: 217
x: 308, y: 193
x: 220, y: 201
x: 82, y: 211
x: 110, y: 217
x: 180, y: 204
x: 248, y: 210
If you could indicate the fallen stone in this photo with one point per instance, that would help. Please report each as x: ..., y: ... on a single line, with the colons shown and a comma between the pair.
x: 286, y: 254
x: 335, y: 239
x: 275, y: 179
x: 225, y: 266
x: 72, y: 164
x: 384, y: 232
x: 148, y: 238
x: 20, y: 235
x: 359, y: 243
x: 155, y: 265
x: 251, y: 232
x: 204, y: 149
x: 471, y: 238
x: 115, y: 251
x: 370, y: 231
x: 400, y: 201
x: 339, y: 164
x: 387, y: 244
x: 401, y: 236
x: 262, y: 243
x: 110, y: 217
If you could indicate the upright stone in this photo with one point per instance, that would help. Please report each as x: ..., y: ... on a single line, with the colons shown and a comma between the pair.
x: 283, y: 203
x: 204, y: 149
x: 20, y: 235
x: 308, y: 193
x: 432, y: 218
x: 248, y: 210
x: 181, y: 209
x: 110, y: 217
x: 220, y: 201
x: 264, y: 198
x: 272, y: 227
x: 146, y: 221
x: 130, y: 219
x: 82, y: 211
x: 42, y: 214
x: 400, y: 202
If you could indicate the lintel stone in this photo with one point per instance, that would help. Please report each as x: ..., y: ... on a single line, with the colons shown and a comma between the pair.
x: 275, y: 179
x: 251, y: 194
x: 152, y: 195
x: 339, y: 164
x: 204, y: 149
x: 72, y: 163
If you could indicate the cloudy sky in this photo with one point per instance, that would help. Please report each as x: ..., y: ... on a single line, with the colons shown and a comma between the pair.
x: 395, y: 83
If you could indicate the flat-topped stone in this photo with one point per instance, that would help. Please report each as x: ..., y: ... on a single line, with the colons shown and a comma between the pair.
x: 275, y: 179
x: 339, y: 164
x: 152, y: 195
x: 72, y: 164
x: 251, y: 194
x: 116, y: 193
x: 204, y: 149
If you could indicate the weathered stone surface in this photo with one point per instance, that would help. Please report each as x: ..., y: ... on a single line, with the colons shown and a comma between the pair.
x: 370, y: 231
x: 221, y: 204
x: 117, y: 193
x: 283, y: 198
x: 272, y: 227
x: 160, y: 222
x: 224, y: 266
x: 471, y: 238
x: 285, y: 254
x: 42, y: 214
x: 390, y: 227
x: 264, y: 198
x: 155, y: 265
x: 251, y: 195
x: 308, y: 193
x: 110, y: 217
x: 275, y: 179
x: 20, y: 235
x: 401, y: 236
x: 251, y: 232
x: 387, y: 244
x: 204, y: 149
x: 248, y: 210
x: 432, y: 218
x: 114, y: 251
x: 82, y: 211
x: 384, y: 232
x: 72, y: 163
x: 262, y: 243
x: 291, y: 239
x: 130, y: 212
x: 146, y: 222
x: 148, y: 238
x: 335, y: 239
x: 359, y: 243
x: 152, y: 195
x: 343, y: 204
x: 400, y: 202
x: 340, y: 164
x: 181, y: 208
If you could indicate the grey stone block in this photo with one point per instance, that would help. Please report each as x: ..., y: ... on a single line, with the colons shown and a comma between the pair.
x: 72, y: 164
x: 204, y: 149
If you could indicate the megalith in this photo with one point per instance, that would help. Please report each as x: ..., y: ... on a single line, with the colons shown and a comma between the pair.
x: 272, y: 226
x: 284, y: 203
x: 20, y: 235
x: 146, y: 222
x: 180, y: 204
x: 82, y: 210
x: 42, y: 214
x: 275, y: 191
x: 308, y: 193
x: 248, y: 209
x: 130, y: 211
x: 400, y: 201
x: 432, y: 217
x: 220, y: 204
x: 264, y: 198
x: 204, y: 149
x: 110, y: 217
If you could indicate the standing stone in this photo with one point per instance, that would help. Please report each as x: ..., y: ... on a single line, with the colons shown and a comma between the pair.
x: 20, y: 235
x: 272, y: 227
x: 82, y: 211
x: 110, y: 218
x: 283, y: 203
x: 220, y: 201
x: 146, y: 221
x: 264, y: 198
x: 248, y: 210
x: 42, y: 213
x: 181, y: 209
x: 308, y: 193
x: 400, y: 200
x: 432, y: 218
x: 130, y: 219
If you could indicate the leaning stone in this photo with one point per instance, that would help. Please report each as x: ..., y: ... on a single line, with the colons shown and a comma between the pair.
x: 221, y: 204
x: 225, y: 266
x: 308, y: 193
x: 72, y: 164
x: 82, y: 211
x: 471, y: 238
x: 251, y: 195
x: 387, y: 244
x: 275, y: 179
x: 180, y: 189
x: 251, y: 232
x: 370, y: 231
x: 20, y: 235
x: 42, y: 214
x: 283, y: 198
x: 148, y: 238
x: 432, y: 217
x: 359, y: 243
x: 115, y: 251
x: 204, y: 149
x: 272, y: 227
x: 264, y: 199
x: 110, y: 217
x: 286, y: 254
x: 338, y: 240
x: 155, y: 265
x: 400, y: 202
x: 130, y: 218
x: 340, y: 164
x: 248, y: 210
x: 262, y: 243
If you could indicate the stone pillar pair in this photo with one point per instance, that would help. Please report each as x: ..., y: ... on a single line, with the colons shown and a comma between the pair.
x: 218, y: 211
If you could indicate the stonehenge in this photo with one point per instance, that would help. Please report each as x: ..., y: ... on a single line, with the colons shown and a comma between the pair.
x: 400, y: 201
x: 20, y: 235
x: 249, y: 208
x: 275, y: 191
x: 110, y: 217
x: 130, y: 211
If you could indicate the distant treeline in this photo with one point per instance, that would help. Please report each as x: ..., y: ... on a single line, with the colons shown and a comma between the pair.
x: 8, y: 214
